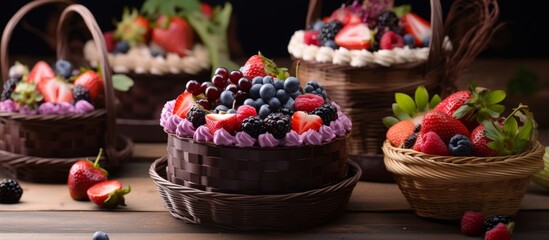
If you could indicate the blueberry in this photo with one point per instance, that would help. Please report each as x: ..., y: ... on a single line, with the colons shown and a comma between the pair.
x: 426, y: 41
x: 250, y: 102
x: 318, y: 25
x: 221, y: 108
x: 63, y: 68
x: 409, y: 40
x: 99, y: 235
x: 274, y: 104
x: 258, y: 103
x: 122, y: 47
x: 308, y: 88
x: 313, y: 83
x: 331, y: 44
x: 232, y: 110
x: 282, y: 95
x: 254, y: 91
x: 295, y: 94
x: 257, y: 80
x: 279, y: 84
x: 291, y: 84
x: 157, y: 52
x: 227, y: 98
x: 264, y: 111
x: 267, y: 91
x: 460, y: 145
x: 289, y: 104
x: 268, y: 79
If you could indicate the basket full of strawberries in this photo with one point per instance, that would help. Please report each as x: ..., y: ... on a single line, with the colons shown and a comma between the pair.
x: 461, y: 153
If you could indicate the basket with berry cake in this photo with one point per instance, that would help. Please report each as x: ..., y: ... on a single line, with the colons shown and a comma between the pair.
x: 461, y: 153
x: 49, y: 118
x: 366, y: 51
x: 162, y: 46
x: 260, y: 137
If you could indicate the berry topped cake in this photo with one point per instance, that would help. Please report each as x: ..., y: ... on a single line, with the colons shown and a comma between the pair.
x: 258, y: 123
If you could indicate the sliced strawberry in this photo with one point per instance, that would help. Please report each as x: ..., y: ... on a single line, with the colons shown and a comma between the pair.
x: 183, y: 103
x: 302, y: 121
x: 93, y: 81
x: 56, y: 90
x: 311, y: 38
x: 40, y: 71
x: 391, y: 40
x: 354, y: 36
x: 399, y: 132
x: 244, y: 112
x: 216, y: 121
x: 417, y: 26
x: 173, y: 34
x: 108, y: 194
x: 346, y: 16
x: 431, y: 143
x: 308, y: 102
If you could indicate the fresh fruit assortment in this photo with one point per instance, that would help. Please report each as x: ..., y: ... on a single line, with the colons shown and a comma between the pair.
x: 371, y: 25
x: 10, y: 191
x: 466, y: 123
x: 88, y: 181
x: 43, y: 90
x: 498, y: 227
x: 258, y: 98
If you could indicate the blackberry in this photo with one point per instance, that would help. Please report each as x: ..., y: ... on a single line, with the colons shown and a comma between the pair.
x: 460, y: 145
x: 286, y: 111
x: 410, y: 141
x: 10, y: 191
x: 8, y: 88
x: 329, y: 31
x: 326, y: 112
x: 417, y: 128
x: 491, y: 222
x: 278, y: 124
x: 389, y: 19
x: 80, y: 92
x: 377, y: 37
x: 253, y: 126
x: 197, y: 115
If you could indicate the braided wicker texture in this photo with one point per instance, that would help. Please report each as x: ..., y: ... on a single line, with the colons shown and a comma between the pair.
x: 255, y: 212
x: 443, y: 187
x: 42, y: 148
x: 255, y: 170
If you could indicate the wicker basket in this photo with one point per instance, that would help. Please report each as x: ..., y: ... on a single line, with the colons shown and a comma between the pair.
x: 443, y: 187
x: 255, y: 212
x: 42, y: 148
x: 255, y: 170
x: 365, y: 93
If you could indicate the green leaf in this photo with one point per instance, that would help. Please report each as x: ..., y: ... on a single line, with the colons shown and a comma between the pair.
x: 491, y: 131
x: 461, y: 111
x: 495, y: 97
x: 402, y: 10
x: 495, y: 145
x: 524, y: 82
x: 520, y: 145
x: 434, y: 101
x: 406, y: 103
x: 399, y: 113
x: 421, y: 97
x: 156, y: 8
x: 497, y: 108
x: 492, y: 114
x: 389, y: 121
x: 511, y: 126
x: 526, y: 131
x: 121, y: 82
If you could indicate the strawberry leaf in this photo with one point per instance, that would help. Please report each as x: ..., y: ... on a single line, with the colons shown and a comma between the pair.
x: 526, y: 131
x: 510, y: 126
x: 399, y: 113
x: 389, y: 121
x: 495, y: 97
x: 406, y: 103
x: 434, y: 101
x: 421, y: 97
x: 121, y: 82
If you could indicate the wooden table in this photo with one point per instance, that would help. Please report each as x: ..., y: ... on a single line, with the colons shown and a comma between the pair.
x: 375, y: 211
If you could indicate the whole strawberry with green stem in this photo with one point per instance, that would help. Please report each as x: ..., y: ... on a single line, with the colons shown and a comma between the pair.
x: 133, y: 28
x: 259, y: 65
x: 83, y: 174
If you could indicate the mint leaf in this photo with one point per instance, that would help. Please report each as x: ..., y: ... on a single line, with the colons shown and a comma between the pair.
x: 524, y: 82
x: 422, y: 98
x: 121, y: 82
x: 406, y: 103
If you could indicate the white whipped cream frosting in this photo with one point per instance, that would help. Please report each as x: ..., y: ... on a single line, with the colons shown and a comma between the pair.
x: 355, y: 58
x: 140, y: 60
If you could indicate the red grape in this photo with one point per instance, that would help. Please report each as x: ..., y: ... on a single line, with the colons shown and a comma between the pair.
x: 223, y: 72
x: 204, y: 103
x: 205, y: 85
x: 235, y: 75
x: 219, y: 81
x: 193, y: 86
x: 240, y: 97
x: 212, y: 93
x: 231, y: 87
x: 244, y: 84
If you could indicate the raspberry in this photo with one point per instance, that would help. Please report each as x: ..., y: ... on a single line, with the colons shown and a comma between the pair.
x: 244, y: 112
x: 390, y: 40
x: 500, y: 232
x: 472, y: 223
x: 307, y: 102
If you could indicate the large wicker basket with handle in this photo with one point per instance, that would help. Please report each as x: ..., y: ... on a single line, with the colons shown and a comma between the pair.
x: 42, y: 148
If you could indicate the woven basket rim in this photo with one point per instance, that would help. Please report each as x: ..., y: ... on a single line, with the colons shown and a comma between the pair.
x: 44, y: 117
x: 354, y: 169
x: 370, y: 66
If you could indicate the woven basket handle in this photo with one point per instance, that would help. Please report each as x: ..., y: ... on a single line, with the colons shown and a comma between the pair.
x: 10, y: 26
x: 437, y: 36
x: 62, y: 53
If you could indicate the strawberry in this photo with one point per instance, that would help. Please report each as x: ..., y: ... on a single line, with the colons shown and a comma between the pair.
x: 417, y: 26
x: 451, y: 103
x: 311, y: 38
x: 216, y: 121
x: 207, y: 10
x: 346, y: 16
x: 183, y: 103
x: 259, y: 65
x: 56, y: 90
x: 108, y: 194
x: 399, y: 132
x: 308, y: 102
x: 244, y: 112
x: 92, y: 81
x: 82, y: 175
x: 302, y: 121
x: 40, y: 71
x: 480, y: 143
x: 500, y: 232
x: 354, y: 36
x: 444, y: 125
x: 431, y: 143
x: 133, y: 28
x: 174, y: 34
x: 109, y: 41
x: 390, y: 40
x: 472, y: 223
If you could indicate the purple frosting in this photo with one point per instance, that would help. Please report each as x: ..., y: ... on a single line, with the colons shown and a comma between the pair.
x: 327, y: 133
x: 26, y: 110
x: 202, y: 134
x: 166, y: 113
x: 244, y: 139
x: 347, y: 124
x: 83, y: 106
x: 311, y: 137
x: 338, y: 128
x: 222, y: 137
x: 171, y: 124
x: 184, y: 129
x: 8, y: 106
x: 48, y: 108
x: 65, y: 108
x: 292, y: 139
x: 267, y: 140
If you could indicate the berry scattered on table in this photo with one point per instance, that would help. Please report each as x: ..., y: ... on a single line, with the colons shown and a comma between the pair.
x: 472, y: 223
x: 499, y: 232
x: 100, y: 235
x: 108, y: 194
x: 492, y: 221
x: 10, y: 191
x: 84, y: 174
